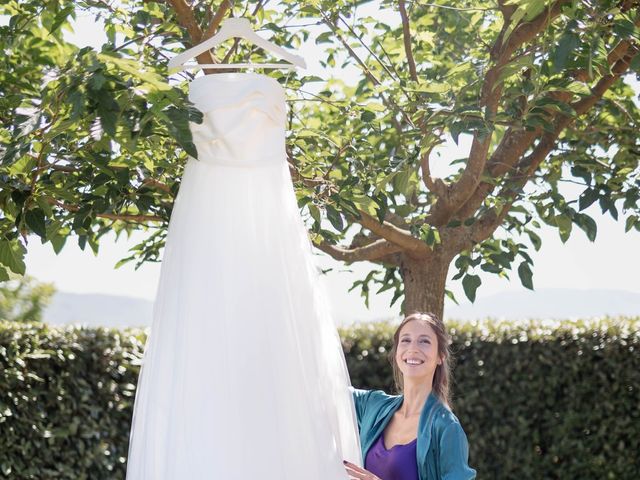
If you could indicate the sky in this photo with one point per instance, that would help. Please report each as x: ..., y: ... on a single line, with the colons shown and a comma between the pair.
x: 611, y: 262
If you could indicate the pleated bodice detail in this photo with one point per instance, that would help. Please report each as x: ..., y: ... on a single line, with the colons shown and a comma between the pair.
x: 244, y: 119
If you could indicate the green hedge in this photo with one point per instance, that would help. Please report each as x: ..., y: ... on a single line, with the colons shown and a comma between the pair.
x: 538, y: 401
x: 66, y: 397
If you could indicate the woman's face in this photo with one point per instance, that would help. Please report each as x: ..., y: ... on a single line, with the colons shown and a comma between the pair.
x: 417, y: 351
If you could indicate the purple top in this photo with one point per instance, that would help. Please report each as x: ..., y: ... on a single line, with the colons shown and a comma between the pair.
x: 397, y: 463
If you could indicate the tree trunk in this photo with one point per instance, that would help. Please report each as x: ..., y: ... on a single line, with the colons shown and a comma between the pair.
x: 424, y: 283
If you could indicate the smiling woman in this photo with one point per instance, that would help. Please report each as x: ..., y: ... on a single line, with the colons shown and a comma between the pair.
x: 414, y: 435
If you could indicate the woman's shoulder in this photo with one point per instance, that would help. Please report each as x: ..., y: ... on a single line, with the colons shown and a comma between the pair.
x: 373, y: 395
x: 372, y: 400
x: 444, y: 414
x: 446, y: 426
x: 437, y: 415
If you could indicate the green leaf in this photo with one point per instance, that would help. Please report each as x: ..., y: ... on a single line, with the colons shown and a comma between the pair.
x: 381, y: 211
x: 108, y: 110
x: 402, y: 182
x: 430, y: 235
x: 178, y: 125
x: 624, y: 27
x: 535, y: 240
x: 566, y: 46
x: 564, y: 224
x: 631, y: 221
x: 324, y: 37
x: 335, y: 218
x: 432, y: 87
x: 367, y: 116
x: 35, y: 221
x: 96, y: 81
x: 151, y: 79
x: 375, y: 107
x: 587, y: 198
x: 61, y: 17
x: 382, y: 183
x: 450, y: 294
x: 57, y: 243
x: 396, y: 295
x: 526, y: 276
x: 12, y: 255
x: 44, y: 205
x: 587, y: 224
x: 470, y: 283
x: 76, y: 100
x: 4, y: 275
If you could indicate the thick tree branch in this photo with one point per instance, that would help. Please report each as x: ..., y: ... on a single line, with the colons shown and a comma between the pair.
x: 153, y: 183
x: 390, y: 229
x: 506, y: 10
x: 513, y: 146
x: 186, y: 19
x: 402, y: 238
x: 433, y: 184
x: 618, y: 52
x: 489, y: 222
x: 371, y: 252
x: 459, y: 193
x: 529, y: 164
x: 524, y: 32
x: 406, y: 33
x: 516, y: 142
x: 224, y: 7
x: 396, y: 220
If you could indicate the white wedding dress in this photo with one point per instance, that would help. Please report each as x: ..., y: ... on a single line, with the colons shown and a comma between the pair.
x: 243, y: 375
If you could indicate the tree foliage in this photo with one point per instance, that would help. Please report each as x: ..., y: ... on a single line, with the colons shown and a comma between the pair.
x: 23, y: 299
x: 95, y: 141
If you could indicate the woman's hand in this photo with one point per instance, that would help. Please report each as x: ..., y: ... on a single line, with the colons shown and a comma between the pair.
x: 357, y: 473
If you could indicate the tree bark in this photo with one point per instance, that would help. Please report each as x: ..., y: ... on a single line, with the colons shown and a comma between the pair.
x: 424, y: 283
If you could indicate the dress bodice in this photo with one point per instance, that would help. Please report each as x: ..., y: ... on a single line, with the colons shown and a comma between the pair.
x: 244, y: 119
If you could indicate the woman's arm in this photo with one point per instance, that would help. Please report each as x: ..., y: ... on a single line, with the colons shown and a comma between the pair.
x: 360, y: 398
x: 454, y: 454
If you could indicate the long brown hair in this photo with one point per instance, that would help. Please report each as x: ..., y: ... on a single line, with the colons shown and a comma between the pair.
x: 442, y: 375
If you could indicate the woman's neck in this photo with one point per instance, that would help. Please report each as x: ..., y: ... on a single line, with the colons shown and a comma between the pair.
x: 415, y: 394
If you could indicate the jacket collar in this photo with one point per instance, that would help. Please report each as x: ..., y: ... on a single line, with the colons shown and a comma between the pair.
x: 424, y: 423
x: 424, y: 427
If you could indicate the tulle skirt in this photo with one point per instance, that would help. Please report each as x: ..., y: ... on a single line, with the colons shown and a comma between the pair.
x: 243, y: 374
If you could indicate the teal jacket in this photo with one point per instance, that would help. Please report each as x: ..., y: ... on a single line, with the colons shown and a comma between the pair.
x: 442, y: 448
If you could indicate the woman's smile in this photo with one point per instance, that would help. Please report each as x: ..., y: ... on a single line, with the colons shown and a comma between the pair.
x: 413, y: 361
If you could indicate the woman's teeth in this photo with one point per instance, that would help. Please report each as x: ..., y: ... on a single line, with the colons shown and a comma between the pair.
x: 412, y: 361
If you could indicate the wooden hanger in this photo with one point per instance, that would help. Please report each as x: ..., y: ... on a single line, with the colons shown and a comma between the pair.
x: 234, y: 28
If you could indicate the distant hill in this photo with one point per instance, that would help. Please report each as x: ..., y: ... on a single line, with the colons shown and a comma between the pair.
x: 98, y: 310
x: 549, y: 303
x: 120, y: 311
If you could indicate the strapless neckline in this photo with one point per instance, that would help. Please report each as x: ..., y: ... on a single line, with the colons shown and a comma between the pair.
x: 241, y: 79
x: 244, y: 118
